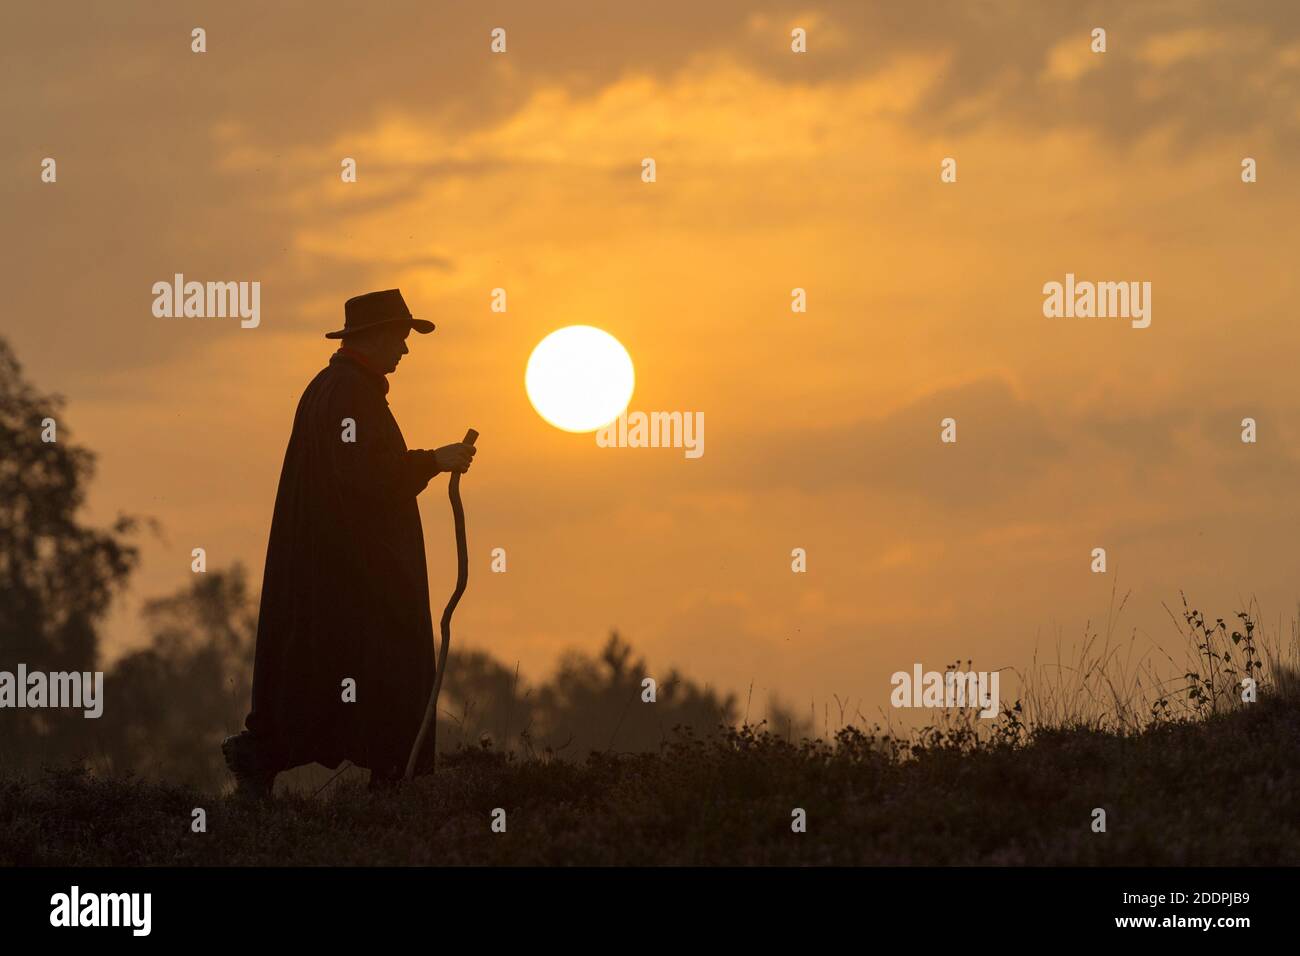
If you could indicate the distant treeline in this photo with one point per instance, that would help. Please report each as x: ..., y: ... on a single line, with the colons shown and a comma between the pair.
x: 168, y: 706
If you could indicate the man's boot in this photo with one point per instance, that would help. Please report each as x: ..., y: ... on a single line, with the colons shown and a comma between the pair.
x: 251, y: 778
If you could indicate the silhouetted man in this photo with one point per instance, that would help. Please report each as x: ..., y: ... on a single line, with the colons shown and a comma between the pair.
x: 344, y: 661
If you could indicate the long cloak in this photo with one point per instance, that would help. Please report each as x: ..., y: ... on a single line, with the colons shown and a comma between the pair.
x: 345, y: 595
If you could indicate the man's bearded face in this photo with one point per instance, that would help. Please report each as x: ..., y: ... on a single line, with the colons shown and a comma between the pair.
x: 385, y: 345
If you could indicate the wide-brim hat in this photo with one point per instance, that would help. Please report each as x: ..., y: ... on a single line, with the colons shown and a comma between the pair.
x: 373, y: 309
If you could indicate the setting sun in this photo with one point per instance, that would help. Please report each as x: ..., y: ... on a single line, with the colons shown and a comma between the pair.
x: 579, y: 378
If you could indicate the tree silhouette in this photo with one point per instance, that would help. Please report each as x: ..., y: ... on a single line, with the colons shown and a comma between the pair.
x: 176, y: 699
x: 57, y: 576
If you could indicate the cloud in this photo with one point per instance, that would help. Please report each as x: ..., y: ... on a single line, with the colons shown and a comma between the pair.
x: 1003, y: 442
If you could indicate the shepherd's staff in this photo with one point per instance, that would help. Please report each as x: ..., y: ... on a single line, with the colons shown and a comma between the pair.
x: 430, y: 721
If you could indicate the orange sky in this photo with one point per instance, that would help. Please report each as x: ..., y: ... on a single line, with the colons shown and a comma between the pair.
x: 775, y: 171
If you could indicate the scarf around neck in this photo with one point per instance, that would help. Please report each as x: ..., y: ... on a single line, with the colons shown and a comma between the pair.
x: 380, y: 379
